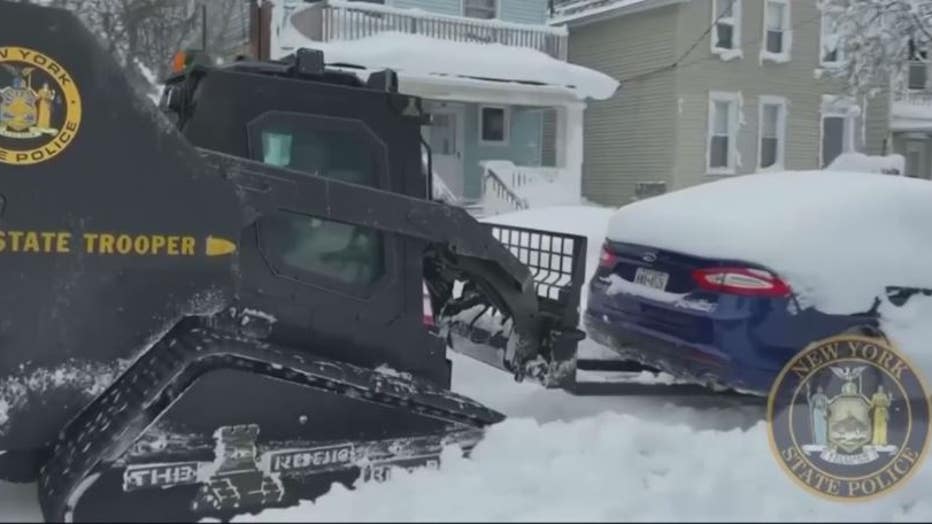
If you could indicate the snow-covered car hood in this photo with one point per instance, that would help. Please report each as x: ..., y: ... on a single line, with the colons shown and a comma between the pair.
x: 838, y: 238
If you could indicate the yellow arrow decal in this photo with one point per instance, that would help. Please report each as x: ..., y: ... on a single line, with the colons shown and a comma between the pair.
x: 217, y: 247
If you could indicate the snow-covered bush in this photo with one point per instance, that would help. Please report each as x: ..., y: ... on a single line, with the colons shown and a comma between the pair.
x: 859, y: 162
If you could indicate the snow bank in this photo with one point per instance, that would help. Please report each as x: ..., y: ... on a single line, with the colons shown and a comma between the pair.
x: 910, y: 329
x: 564, y: 458
x: 838, y: 238
x: 859, y: 162
x: 18, y: 503
x: 413, y: 55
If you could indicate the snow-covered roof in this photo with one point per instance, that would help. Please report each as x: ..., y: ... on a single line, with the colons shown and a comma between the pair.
x: 839, y: 238
x: 413, y: 56
x: 584, y: 10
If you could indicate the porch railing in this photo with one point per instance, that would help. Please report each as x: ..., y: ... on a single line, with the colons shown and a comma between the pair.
x: 341, y: 20
x: 915, y: 96
x: 497, y: 196
x: 507, y: 187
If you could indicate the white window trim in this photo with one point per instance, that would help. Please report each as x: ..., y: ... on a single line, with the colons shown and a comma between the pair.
x: 734, y: 98
x: 723, y: 53
x: 767, y: 100
x: 783, y: 56
x: 840, y: 61
x: 506, y: 137
x: 840, y: 106
x: 498, y: 10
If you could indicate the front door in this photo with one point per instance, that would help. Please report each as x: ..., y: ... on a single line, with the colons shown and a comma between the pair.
x: 833, y: 138
x: 916, y: 160
x: 445, y: 136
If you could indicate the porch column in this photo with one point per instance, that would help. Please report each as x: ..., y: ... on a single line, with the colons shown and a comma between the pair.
x: 569, y: 148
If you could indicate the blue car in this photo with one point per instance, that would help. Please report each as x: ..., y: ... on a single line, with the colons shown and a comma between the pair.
x: 690, y: 282
x: 723, y: 323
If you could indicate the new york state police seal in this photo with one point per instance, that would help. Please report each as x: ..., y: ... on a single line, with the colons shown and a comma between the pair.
x: 849, y: 418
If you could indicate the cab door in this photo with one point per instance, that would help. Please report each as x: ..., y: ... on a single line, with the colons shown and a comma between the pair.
x: 344, y: 291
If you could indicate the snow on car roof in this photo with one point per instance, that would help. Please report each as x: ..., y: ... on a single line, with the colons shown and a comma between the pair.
x: 839, y: 238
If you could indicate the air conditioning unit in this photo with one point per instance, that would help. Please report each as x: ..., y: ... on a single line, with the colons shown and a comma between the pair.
x: 644, y: 190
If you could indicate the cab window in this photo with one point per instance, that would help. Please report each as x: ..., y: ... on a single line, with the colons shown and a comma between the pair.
x: 310, y: 248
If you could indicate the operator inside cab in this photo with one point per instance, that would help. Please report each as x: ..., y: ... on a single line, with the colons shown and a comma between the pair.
x: 348, y: 253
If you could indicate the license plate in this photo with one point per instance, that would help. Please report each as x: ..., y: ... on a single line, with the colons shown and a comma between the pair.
x: 651, y: 278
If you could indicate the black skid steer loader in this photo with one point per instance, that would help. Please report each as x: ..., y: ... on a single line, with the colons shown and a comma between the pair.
x: 217, y: 306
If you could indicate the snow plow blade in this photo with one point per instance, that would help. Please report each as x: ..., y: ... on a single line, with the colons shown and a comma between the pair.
x: 480, y: 329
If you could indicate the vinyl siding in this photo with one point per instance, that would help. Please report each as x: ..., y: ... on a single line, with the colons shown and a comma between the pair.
x: 795, y: 80
x: 446, y: 7
x: 523, y: 11
x: 628, y: 138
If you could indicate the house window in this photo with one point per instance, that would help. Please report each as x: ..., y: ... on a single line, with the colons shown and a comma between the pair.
x: 776, y: 29
x: 726, y: 35
x: 722, y: 132
x: 486, y: 9
x: 493, y: 125
x: 918, y: 71
x: 833, y: 52
x: 772, y: 131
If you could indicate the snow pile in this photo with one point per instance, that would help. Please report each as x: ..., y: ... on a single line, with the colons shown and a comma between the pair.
x: 909, y: 327
x: 859, y: 162
x: 417, y: 56
x: 563, y: 458
x: 14, y: 506
x: 839, y: 238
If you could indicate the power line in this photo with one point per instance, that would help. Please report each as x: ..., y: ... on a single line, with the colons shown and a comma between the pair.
x: 705, y: 33
x: 676, y: 62
x: 679, y: 64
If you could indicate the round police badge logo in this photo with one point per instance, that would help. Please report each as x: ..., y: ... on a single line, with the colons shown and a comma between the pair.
x: 849, y: 418
x: 40, y: 107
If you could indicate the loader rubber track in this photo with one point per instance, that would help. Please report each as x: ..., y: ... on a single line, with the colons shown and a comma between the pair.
x: 107, y: 427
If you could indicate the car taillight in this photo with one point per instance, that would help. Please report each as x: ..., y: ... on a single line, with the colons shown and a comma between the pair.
x: 741, y: 281
x: 608, y: 258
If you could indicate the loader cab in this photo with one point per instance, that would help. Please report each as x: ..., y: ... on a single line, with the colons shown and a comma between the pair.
x: 352, y: 290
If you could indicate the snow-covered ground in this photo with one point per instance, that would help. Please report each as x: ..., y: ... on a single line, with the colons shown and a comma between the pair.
x: 565, y: 458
